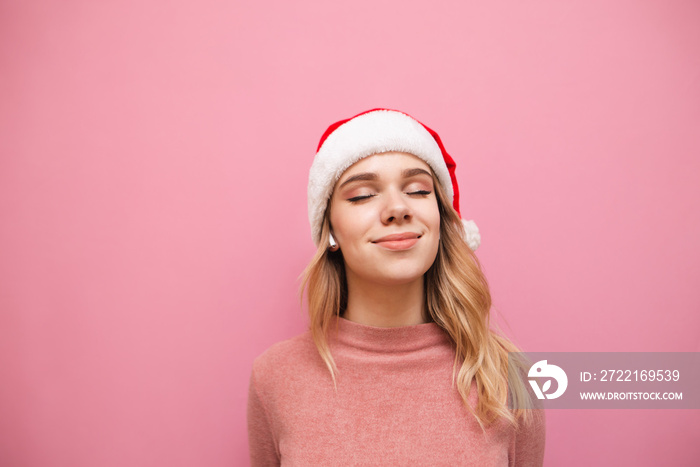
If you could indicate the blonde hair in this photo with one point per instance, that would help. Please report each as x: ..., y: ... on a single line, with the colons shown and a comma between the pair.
x: 457, y: 299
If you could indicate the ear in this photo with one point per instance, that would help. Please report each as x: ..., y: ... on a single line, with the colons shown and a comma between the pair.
x: 332, y: 243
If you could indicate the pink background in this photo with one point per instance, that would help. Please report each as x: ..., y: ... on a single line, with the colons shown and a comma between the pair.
x: 153, y: 166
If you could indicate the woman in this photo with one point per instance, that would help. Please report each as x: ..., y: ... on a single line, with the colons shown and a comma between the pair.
x: 399, y: 366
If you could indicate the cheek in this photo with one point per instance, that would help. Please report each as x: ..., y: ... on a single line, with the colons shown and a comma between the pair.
x: 353, y: 222
x: 346, y: 225
x: 435, y: 217
x: 432, y: 217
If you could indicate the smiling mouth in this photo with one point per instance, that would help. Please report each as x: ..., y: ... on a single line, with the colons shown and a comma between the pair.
x: 398, y: 236
x: 399, y: 244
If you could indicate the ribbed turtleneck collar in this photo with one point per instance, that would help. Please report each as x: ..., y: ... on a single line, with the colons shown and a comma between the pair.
x: 389, y: 340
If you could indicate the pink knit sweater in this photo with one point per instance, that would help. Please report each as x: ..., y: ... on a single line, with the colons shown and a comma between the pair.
x: 395, y: 405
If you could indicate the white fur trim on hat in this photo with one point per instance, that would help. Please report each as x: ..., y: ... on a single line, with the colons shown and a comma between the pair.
x: 471, y: 234
x: 367, y: 134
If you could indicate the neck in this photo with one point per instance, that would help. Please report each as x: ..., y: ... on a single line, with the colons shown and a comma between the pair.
x: 385, y: 305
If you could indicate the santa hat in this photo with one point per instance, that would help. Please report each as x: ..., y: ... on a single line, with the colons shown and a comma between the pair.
x: 373, y: 132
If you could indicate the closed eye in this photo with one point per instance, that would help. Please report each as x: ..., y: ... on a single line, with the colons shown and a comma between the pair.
x: 359, y: 198
x: 420, y: 192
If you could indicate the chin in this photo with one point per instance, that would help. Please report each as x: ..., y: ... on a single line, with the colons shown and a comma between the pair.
x: 399, y: 277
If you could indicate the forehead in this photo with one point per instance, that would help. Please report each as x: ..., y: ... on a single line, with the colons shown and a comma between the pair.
x: 386, y: 162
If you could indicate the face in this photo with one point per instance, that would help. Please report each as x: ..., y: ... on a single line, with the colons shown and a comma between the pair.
x: 384, y: 217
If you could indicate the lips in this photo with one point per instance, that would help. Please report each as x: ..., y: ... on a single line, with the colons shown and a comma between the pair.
x: 401, y: 241
x: 398, y: 236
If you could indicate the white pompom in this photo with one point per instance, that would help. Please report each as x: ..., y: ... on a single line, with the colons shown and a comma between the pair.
x: 471, y: 234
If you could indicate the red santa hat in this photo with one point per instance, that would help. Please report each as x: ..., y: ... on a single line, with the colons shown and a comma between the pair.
x: 373, y: 132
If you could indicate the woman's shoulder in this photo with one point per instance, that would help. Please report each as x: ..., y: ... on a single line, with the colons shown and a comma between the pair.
x: 288, y: 356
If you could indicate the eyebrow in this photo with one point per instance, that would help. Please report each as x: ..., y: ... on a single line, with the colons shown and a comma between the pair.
x: 406, y: 173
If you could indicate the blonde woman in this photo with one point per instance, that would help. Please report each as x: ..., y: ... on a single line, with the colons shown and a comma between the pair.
x: 399, y: 366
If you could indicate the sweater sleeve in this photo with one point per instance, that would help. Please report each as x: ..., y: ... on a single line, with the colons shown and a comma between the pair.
x: 261, y: 437
x: 529, y: 442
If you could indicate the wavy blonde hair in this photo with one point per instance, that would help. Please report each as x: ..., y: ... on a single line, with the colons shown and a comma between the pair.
x: 457, y: 299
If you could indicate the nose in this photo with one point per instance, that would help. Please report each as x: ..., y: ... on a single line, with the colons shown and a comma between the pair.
x: 396, y: 209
